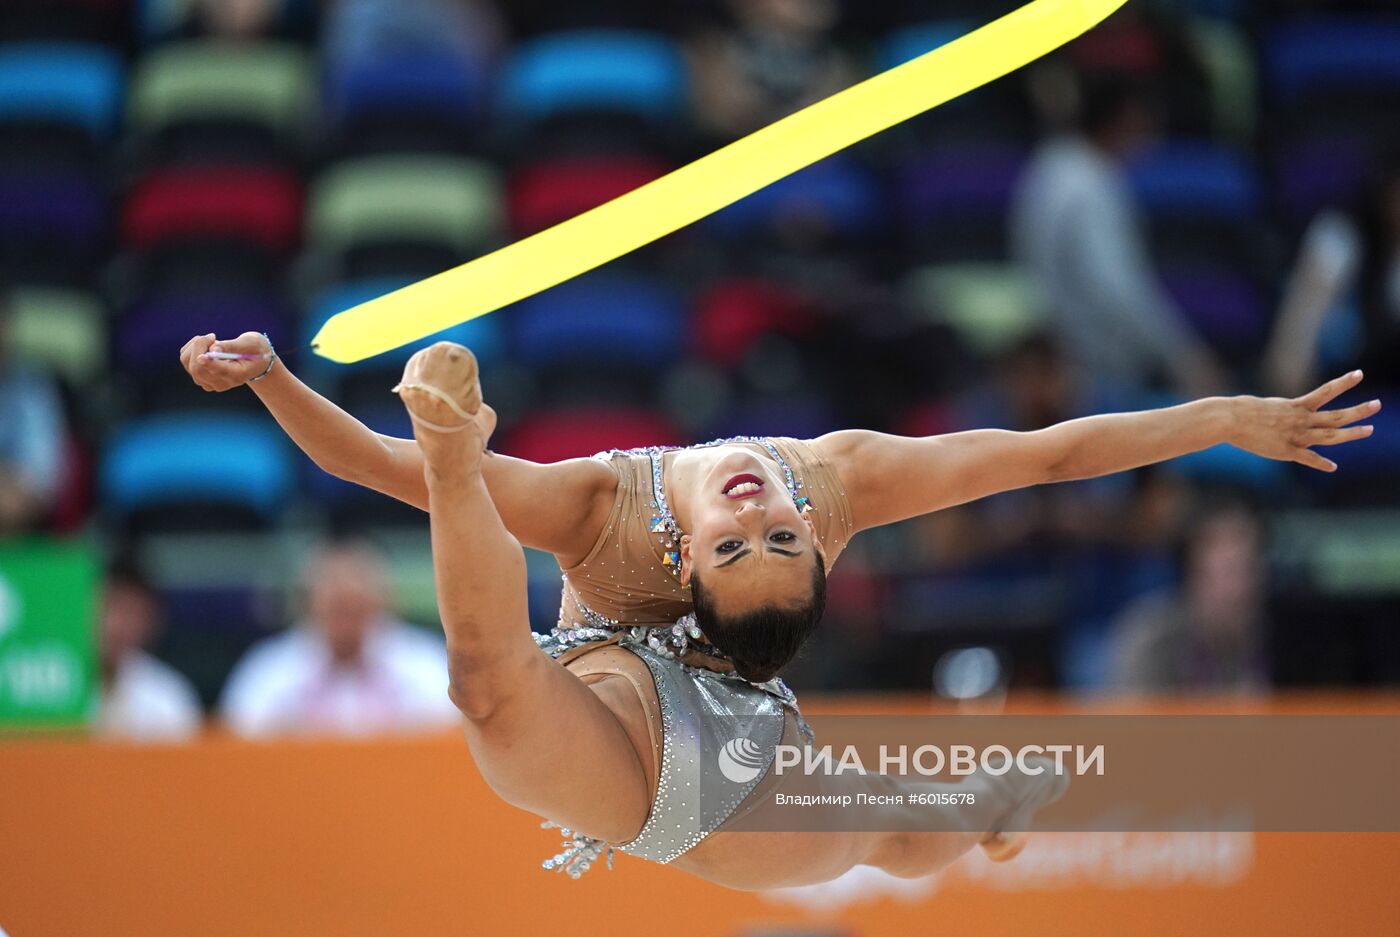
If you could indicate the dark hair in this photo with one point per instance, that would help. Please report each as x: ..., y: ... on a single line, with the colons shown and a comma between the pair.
x: 1105, y: 98
x: 761, y: 641
x: 126, y: 571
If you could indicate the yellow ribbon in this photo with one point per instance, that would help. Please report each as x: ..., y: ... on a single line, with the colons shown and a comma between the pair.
x: 710, y: 183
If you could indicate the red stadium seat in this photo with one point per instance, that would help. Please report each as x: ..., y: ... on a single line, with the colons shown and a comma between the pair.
x: 555, y: 435
x: 1125, y: 46
x: 548, y: 192
x: 262, y: 205
x: 736, y: 313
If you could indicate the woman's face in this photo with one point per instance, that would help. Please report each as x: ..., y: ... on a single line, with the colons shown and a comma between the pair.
x: 748, y: 541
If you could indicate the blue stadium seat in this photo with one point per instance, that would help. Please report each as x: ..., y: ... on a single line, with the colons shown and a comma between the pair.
x: 798, y: 418
x: 608, y: 317
x: 441, y: 85
x: 625, y: 71
x: 68, y: 83
x: 1320, y: 173
x: 954, y: 200
x: 241, y: 461
x: 1196, y: 180
x: 61, y: 208
x: 483, y: 336
x: 836, y: 192
x: 1334, y: 54
x: 1226, y: 307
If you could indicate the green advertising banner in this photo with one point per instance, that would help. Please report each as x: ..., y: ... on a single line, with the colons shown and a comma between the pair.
x: 48, y: 596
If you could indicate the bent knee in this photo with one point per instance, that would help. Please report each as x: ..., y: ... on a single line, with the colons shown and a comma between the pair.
x: 476, y: 691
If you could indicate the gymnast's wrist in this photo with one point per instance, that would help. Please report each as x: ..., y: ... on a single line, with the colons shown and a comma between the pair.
x: 1225, y: 417
x: 272, y: 360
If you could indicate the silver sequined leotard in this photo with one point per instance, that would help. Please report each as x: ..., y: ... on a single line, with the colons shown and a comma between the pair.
x: 706, y: 718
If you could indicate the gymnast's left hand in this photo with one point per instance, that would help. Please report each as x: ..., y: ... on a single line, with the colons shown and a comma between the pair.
x: 1286, y: 428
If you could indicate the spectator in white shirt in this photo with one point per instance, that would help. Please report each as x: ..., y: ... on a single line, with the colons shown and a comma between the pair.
x: 1076, y: 230
x: 143, y: 699
x: 348, y: 669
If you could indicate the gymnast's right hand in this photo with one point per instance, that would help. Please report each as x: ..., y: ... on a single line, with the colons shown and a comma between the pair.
x: 215, y: 375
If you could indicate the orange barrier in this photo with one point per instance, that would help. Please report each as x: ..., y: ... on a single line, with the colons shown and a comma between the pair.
x: 402, y: 837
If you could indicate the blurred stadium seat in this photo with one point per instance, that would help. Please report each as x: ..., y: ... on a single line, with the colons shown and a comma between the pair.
x: 835, y: 197
x: 54, y: 222
x: 201, y: 99
x: 549, y: 191
x: 259, y: 205
x: 554, y: 435
x: 954, y: 200
x: 606, y: 320
x: 208, y: 472
x: 733, y: 315
x: 445, y: 205
x: 613, y: 71
x: 62, y: 83
x: 64, y: 329
x: 405, y: 100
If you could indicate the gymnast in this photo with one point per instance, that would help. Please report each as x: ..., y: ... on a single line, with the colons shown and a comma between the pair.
x: 692, y: 575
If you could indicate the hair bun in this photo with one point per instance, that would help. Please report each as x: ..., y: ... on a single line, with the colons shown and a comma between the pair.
x: 756, y: 673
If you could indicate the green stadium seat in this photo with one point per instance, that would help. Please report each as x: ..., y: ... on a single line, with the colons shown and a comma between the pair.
x: 269, y: 84
x: 413, y: 198
x: 990, y: 305
x: 64, y: 329
x: 1232, y: 72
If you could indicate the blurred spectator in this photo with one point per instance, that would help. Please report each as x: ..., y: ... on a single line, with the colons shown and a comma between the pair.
x: 1208, y: 634
x: 1344, y: 293
x: 32, y: 433
x: 468, y: 30
x: 1076, y: 229
x: 238, y: 18
x: 776, y: 57
x: 142, y: 698
x: 349, y: 668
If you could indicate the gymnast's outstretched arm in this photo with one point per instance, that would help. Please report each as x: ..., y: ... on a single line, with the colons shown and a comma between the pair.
x: 890, y: 478
x: 556, y: 508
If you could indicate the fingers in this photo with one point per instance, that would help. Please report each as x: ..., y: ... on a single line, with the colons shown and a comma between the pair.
x: 1335, y: 437
x: 194, y: 348
x: 249, y: 343
x: 1331, y: 390
x: 1347, y: 415
x: 194, y: 364
x: 211, y: 374
x: 1313, y: 460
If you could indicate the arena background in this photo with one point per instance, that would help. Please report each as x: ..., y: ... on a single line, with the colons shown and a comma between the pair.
x: 176, y: 167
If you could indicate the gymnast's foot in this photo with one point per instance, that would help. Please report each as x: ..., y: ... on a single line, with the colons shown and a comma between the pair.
x: 1032, y: 793
x: 441, y: 388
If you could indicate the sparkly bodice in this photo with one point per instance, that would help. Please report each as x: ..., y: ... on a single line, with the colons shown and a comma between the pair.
x: 627, y: 577
x: 702, y: 713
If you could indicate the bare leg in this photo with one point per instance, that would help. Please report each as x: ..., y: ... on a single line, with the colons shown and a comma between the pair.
x: 542, y: 739
x: 917, y: 839
x: 997, y: 821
